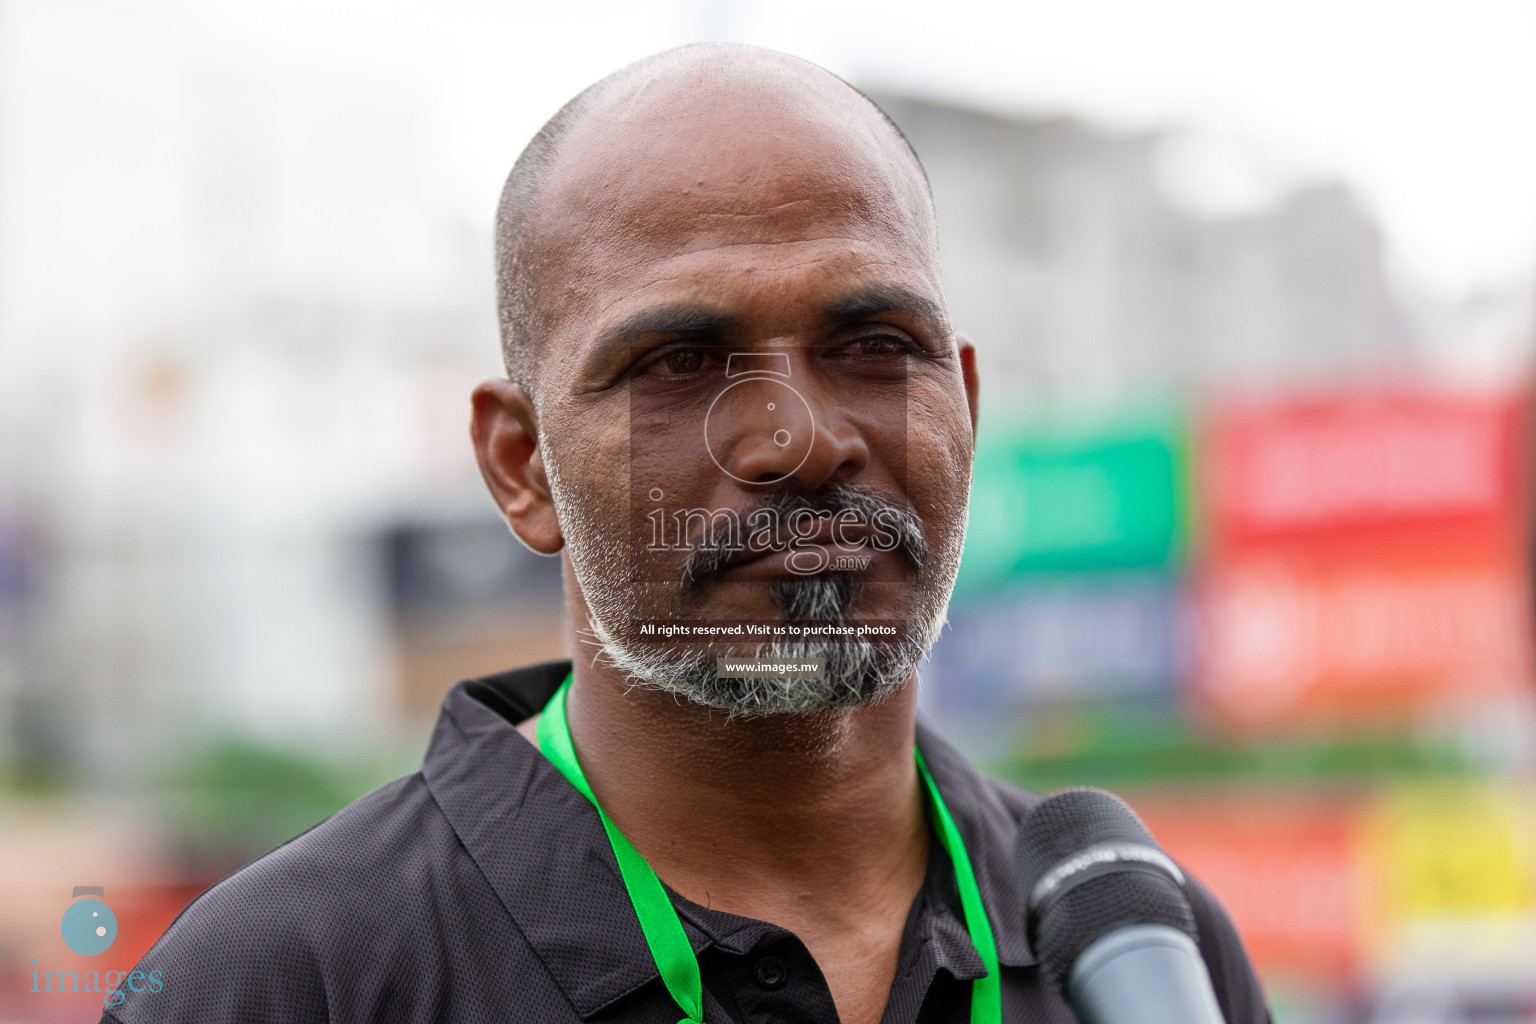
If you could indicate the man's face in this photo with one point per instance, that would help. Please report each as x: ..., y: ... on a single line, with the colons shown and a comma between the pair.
x: 752, y: 408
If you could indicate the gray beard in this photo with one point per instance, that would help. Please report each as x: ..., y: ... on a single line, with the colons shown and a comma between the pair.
x: 856, y: 671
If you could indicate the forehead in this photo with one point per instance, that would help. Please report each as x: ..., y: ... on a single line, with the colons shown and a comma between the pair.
x: 723, y: 187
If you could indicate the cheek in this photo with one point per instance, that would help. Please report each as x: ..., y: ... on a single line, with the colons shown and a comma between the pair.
x: 665, y: 451
x: 685, y: 457
x: 621, y: 486
x: 940, y: 446
x: 587, y: 454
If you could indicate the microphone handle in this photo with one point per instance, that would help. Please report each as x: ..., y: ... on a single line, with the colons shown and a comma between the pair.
x: 1142, y: 974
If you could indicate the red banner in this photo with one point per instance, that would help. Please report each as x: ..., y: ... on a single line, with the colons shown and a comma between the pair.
x: 1286, y: 639
x: 1365, y: 469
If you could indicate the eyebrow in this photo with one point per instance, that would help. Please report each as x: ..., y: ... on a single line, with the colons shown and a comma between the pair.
x: 889, y: 298
x: 685, y: 320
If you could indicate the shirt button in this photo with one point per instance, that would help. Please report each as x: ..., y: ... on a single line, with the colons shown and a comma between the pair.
x: 770, y: 972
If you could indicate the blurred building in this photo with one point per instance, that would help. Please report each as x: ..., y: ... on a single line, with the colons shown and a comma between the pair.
x: 1081, y: 278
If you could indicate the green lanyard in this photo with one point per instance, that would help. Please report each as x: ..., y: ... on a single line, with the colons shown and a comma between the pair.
x: 664, y: 932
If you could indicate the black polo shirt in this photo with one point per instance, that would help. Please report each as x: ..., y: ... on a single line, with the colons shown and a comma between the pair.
x: 483, y: 888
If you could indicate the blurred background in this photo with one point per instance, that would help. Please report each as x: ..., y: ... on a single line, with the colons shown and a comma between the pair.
x: 1253, y: 286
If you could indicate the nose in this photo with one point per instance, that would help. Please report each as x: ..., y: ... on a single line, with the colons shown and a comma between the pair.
x: 797, y: 437
x: 838, y: 452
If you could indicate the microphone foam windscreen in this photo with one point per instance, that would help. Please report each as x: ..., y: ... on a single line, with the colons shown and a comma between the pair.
x: 1066, y: 825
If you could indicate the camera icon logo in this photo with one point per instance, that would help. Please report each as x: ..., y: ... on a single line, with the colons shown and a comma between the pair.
x: 761, y: 411
x: 88, y: 927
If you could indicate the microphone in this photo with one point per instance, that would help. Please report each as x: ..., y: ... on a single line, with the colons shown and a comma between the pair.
x: 1107, y: 914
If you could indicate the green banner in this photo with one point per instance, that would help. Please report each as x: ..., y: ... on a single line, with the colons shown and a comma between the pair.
x: 1059, y: 500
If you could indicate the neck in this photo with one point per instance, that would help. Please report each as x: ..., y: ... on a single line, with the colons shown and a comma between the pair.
x: 774, y: 817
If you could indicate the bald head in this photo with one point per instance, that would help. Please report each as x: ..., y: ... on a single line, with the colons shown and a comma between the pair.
x: 716, y: 123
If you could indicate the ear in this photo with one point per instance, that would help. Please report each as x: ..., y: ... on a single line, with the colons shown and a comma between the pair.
x: 968, y: 373
x: 505, y: 429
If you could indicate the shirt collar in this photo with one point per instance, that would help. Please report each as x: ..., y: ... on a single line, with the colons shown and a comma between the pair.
x: 530, y: 832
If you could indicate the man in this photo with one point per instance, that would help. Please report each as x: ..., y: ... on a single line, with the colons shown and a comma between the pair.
x: 737, y: 410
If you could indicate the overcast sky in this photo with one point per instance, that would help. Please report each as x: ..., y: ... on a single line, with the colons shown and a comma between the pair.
x: 1428, y: 108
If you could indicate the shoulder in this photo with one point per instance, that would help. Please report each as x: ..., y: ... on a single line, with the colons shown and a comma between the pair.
x: 355, y: 862
x: 326, y: 917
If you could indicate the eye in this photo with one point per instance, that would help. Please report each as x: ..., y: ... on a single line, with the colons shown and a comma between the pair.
x: 677, y: 362
x: 881, y: 345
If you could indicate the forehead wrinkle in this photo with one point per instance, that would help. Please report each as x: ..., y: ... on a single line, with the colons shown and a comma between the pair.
x: 702, y: 291
x: 704, y: 283
x: 777, y: 208
x: 867, y: 260
x: 594, y: 262
x: 651, y: 214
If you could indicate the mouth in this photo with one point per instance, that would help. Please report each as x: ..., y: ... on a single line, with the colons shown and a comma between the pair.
x: 800, y: 563
x: 797, y: 557
x: 837, y: 530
